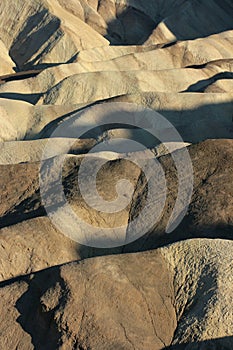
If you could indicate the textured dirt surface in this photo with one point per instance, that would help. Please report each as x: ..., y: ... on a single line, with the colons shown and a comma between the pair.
x: 137, y: 301
x: 209, y: 214
x: 102, y: 260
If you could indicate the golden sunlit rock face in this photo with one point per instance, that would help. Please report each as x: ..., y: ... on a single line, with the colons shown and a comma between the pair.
x: 116, y: 174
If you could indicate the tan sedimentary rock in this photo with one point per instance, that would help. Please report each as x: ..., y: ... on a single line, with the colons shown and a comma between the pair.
x: 208, y: 215
x: 174, y: 295
x: 92, y: 256
x: 43, y: 32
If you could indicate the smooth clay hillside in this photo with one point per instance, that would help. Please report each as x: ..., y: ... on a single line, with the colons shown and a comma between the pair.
x: 67, y: 67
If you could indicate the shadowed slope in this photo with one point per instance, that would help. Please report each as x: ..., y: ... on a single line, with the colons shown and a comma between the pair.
x: 124, y: 301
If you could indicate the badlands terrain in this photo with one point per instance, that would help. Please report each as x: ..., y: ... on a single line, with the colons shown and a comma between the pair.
x: 119, y: 264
